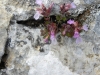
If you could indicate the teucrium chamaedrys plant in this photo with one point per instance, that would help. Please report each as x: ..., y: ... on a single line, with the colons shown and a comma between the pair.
x: 59, y: 23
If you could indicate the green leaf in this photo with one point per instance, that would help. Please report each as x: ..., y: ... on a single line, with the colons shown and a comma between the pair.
x: 69, y: 34
x: 58, y: 17
x: 64, y: 18
x: 47, y: 22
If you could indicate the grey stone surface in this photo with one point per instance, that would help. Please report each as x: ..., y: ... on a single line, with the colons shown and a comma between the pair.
x: 4, y: 22
x: 3, y: 34
x: 89, y: 1
x: 97, y: 25
x: 64, y: 58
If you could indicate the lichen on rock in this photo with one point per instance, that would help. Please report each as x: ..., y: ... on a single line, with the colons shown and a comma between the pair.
x: 28, y: 55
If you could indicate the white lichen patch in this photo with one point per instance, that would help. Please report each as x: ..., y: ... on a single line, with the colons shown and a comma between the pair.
x: 47, y: 65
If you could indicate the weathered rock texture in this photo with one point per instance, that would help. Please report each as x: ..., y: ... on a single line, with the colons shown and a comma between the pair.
x: 4, y: 22
x: 28, y: 55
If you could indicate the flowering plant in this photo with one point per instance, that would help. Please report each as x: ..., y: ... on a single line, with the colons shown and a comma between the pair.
x: 54, y: 24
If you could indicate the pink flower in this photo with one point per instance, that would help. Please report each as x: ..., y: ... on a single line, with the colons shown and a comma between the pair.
x: 72, y: 5
x: 78, y: 40
x: 85, y: 27
x: 52, y: 32
x: 64, y: 8
x: 67, y: 6
x: 43, y: 11
x: 64, y: 32
x: 70, y: 21
x: 75, y: 23
x: 52, y: 35
x: 46, y: 38
x: 37, y: 15
x: 76, y: 34
x: 53, y: 39
x: 39, y: 2
x: 47, y: 11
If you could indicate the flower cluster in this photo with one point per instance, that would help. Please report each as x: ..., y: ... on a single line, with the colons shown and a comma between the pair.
x: 59, y: 23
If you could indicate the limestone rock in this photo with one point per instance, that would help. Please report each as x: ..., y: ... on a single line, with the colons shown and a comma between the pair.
x: 28, y: 55
x: 4, y: 22
x: 97, y: 25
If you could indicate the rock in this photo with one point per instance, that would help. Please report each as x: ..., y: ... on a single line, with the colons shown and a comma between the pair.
x: 24, y: 49
x: 3, y: 34
x: 97, y: 25
x: 90, y: 1
x: 28, y: 55
x: 4, y: 22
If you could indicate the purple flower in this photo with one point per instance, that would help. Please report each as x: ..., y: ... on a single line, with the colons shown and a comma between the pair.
x: 52, y: 36
x: 37, y: 15
x: 46, y: 39
x: 52, y: 32
x: 85, y: 27
x: 53, y: 39
x: 76, y: 34
x: 70, y: 21
x: 78, y: 40
x: 39, y: 2
x: 64, y: 32
x: 73, y: 5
